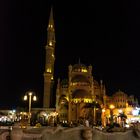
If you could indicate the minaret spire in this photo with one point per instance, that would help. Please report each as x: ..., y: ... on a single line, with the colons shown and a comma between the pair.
x: 49, y: 62
x: 51, y: 21
x: 51, y: 30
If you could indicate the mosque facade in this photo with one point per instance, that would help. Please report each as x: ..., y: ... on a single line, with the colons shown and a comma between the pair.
x: 79, y: 94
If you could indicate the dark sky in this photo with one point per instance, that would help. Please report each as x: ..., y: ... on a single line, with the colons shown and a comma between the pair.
x: 105, y: 34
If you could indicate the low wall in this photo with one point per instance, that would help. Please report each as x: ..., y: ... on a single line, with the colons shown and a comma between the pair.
x: 76, y: 133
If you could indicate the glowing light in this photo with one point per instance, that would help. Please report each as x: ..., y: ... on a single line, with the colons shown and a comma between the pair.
x: 103, y: 110
x: 127, y: 126
x: 50, y: 43
x: 50, y: 26
x: 30, y: 93
x: 111, y: 106
x: 135, y: 112
x: 52, y: 55
x: 120, y: 111
x: 49, y: 70
x: 14, y: 111
x: 84, y: 70
x: 54, y: 114
x: 85, y: 100
x: 34, y: 98
x: 25, y: 97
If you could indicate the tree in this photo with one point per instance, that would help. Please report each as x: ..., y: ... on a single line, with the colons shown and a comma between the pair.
x: 92, y: 113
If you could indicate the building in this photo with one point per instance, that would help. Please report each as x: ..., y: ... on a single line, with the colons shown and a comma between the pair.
x: 122, y: 106
x: 77, y: 95
x: 80, y: 96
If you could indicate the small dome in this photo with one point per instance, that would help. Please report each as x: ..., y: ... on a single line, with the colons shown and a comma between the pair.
x: 80, y: 93
x: 79, y: 67
x: 120, y: 93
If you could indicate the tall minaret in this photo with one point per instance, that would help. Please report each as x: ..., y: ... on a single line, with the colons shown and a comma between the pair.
x: 49, y: 63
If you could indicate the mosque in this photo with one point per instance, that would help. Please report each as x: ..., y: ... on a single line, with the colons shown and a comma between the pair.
x: 76, y: 94
x: 80, y: 96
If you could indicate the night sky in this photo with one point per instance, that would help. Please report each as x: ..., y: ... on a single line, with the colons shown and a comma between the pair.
x: 105, y: 34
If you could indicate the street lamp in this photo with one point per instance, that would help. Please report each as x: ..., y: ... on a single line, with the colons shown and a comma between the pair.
x: 34, y: 98
x: 103, y: 117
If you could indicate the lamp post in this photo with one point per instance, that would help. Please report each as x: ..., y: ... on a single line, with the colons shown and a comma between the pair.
x: 34, y: 98
x: 103, y: 117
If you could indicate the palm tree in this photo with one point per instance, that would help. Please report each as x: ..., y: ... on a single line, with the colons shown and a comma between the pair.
x: 123, y: 117
x: 92, y: 111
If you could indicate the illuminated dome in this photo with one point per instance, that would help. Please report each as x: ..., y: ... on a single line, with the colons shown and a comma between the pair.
x: 120, y: 93
x: 79, y: 68
x: 80, y: 78
x: 80, y: 93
